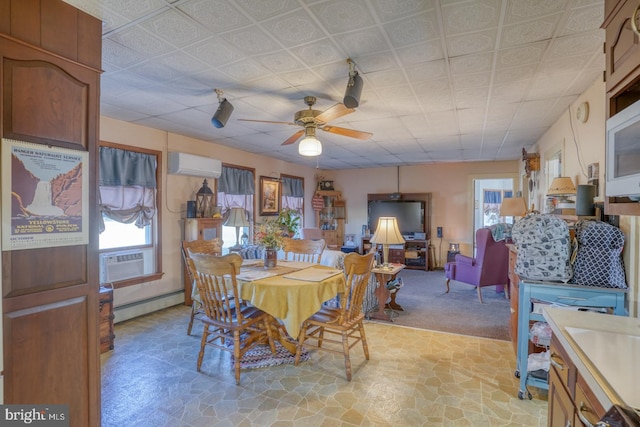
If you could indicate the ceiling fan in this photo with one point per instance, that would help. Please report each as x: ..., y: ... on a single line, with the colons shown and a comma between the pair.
x: 311, y: 120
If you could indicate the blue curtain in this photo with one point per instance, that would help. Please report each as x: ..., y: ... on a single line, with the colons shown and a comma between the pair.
x: 493, y: 197
x: 292, y: 187
x: 236, y: 181
x: 122, y: 168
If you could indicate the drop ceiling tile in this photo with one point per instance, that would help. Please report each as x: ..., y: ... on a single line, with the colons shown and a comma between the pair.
x: 294, y: 28
x: 426, y: 71
x: 217, y: 15
x: 251, y: 40
x: 471, y: 97
x: 343, y: 16
x: 265, y: 9
x: 550, y: 86
x: 525, y: 10
x: 431, y: 87
x: 506, y: 75
x: 471, y: 17
x: 413, y: 30
x: 437, y: 102
x: 214, y: 51
x: 119, y: 55
x: 580, y: 44
x: 528, y: 54
x: 510, y: 93
x: 399, y: 91
x: 362, y: 42
x: 388, y: 10
x: 429, y: 51
x: 468, y: 64
x: 379, y: 61
x: 391, y: 77
x: 318, y: 53
x: 471, y: 80
x: 469, y: 43
x: 141, y: 41
x: 279, y: 62
x: 243, y: 70
x: 583, y: 19
x: 529, y: 32
x: 175, y: 28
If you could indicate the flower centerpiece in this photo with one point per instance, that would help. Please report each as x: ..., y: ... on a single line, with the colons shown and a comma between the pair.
x: 269, y: 236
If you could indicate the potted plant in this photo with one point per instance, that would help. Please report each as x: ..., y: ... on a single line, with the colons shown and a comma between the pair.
x: 289, y: 219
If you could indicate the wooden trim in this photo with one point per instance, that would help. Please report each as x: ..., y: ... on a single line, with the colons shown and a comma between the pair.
x: 158, y: 232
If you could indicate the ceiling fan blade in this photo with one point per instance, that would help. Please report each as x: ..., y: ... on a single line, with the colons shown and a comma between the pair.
x: 268, y: 121
x: 358, y: 134
x: 293, y: 138
x: 334, y: 112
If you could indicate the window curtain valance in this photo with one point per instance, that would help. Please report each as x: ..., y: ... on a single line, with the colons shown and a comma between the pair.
x: 236, y: 188
x: 292, y: 187
x: 236, y: 181
x: 127, y: 186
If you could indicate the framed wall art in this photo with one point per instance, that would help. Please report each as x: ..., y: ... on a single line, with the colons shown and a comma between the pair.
x: 269, y: 196
x: 47, y: 204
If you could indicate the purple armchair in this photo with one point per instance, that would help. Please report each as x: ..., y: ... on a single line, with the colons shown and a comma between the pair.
x: 490, y: 267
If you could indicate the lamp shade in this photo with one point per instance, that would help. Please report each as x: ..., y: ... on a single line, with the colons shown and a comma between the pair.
x: 513, y: 206
x: 561, y: 186
x: 310, y: 146
x: 237, y: 218
x: 387, y: 232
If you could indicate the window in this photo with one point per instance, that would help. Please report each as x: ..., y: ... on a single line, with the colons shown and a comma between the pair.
x: 236, y: 188
x: 129, y: 240
x: 293, y: 196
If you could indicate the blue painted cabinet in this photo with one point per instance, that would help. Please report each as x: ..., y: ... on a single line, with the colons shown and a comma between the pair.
x: 534, y: 296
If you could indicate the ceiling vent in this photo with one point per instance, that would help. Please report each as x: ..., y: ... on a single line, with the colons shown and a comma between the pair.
x: 192, y: 165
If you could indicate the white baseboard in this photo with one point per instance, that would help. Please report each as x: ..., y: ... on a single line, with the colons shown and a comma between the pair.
x: 140, y: 308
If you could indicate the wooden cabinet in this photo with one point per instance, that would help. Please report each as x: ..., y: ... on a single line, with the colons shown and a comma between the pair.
x: 571, y: 401
x: 416, y: 254
x: 331, y: 217
x: 107, y: 335
x: 198, y: 229
x: 622, y: 76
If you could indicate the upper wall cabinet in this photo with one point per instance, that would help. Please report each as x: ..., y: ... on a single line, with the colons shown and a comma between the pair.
x: 622, y: 73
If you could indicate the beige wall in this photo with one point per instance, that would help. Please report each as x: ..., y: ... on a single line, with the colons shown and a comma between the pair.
x: 450, y: 185
x: 584, y: 143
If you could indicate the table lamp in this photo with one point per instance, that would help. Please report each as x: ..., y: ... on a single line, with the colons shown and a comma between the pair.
x: 561, y: 188
x: 513, y: 207
x: 237, y: 219
x: 387, y: 233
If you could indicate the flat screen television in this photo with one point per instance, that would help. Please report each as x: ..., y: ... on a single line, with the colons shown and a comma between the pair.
x: 410, y: 214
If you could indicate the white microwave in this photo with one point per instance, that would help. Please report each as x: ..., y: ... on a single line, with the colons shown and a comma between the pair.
x: 622, y: 172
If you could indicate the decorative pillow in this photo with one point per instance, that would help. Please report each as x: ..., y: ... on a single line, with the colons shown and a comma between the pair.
x: 251, y: 252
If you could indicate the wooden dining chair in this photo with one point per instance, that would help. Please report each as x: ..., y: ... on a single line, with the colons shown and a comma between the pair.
x: 229, y: 325
x: 211, y: 247
x: 303, y: 249
x: 345, y: 321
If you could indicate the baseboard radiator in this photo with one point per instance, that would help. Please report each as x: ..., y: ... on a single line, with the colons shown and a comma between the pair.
x: 146, y: 306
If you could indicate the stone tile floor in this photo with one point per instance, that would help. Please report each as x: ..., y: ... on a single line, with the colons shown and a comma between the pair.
x: 414, y: 378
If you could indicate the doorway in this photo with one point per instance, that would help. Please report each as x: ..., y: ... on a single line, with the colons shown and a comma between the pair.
x: 488, y: 194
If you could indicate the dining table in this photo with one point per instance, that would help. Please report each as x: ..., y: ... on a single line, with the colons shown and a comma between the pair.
x: 291, y: 292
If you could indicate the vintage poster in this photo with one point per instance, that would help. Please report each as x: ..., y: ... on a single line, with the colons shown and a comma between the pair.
x: 47, y: 204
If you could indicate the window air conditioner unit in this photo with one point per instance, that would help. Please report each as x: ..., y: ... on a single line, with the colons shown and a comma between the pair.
x: 192, y: 165
x: 118, y: 267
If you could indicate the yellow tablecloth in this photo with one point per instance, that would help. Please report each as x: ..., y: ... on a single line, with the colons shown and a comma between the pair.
x: 290, y: 300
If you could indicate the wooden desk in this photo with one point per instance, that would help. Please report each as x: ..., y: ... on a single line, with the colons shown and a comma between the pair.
x: 292, y: 301
x: 383, y: 275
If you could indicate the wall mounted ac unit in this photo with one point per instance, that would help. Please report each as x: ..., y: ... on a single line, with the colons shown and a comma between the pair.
x: 117, y: 267
x: 189, y: 164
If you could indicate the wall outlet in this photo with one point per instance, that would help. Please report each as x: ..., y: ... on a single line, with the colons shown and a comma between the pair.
x: 439, y: 232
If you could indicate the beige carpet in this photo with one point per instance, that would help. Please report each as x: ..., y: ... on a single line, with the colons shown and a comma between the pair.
x: 427, y: 306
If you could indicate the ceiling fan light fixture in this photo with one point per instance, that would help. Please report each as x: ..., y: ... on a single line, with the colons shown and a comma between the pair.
x: 354, y: 87
x: 310, y: 146
x: 222, y: 114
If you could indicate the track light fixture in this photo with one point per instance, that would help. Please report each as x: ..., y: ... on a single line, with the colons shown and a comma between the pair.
x: 223, y: 112
x: 354, y: 87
